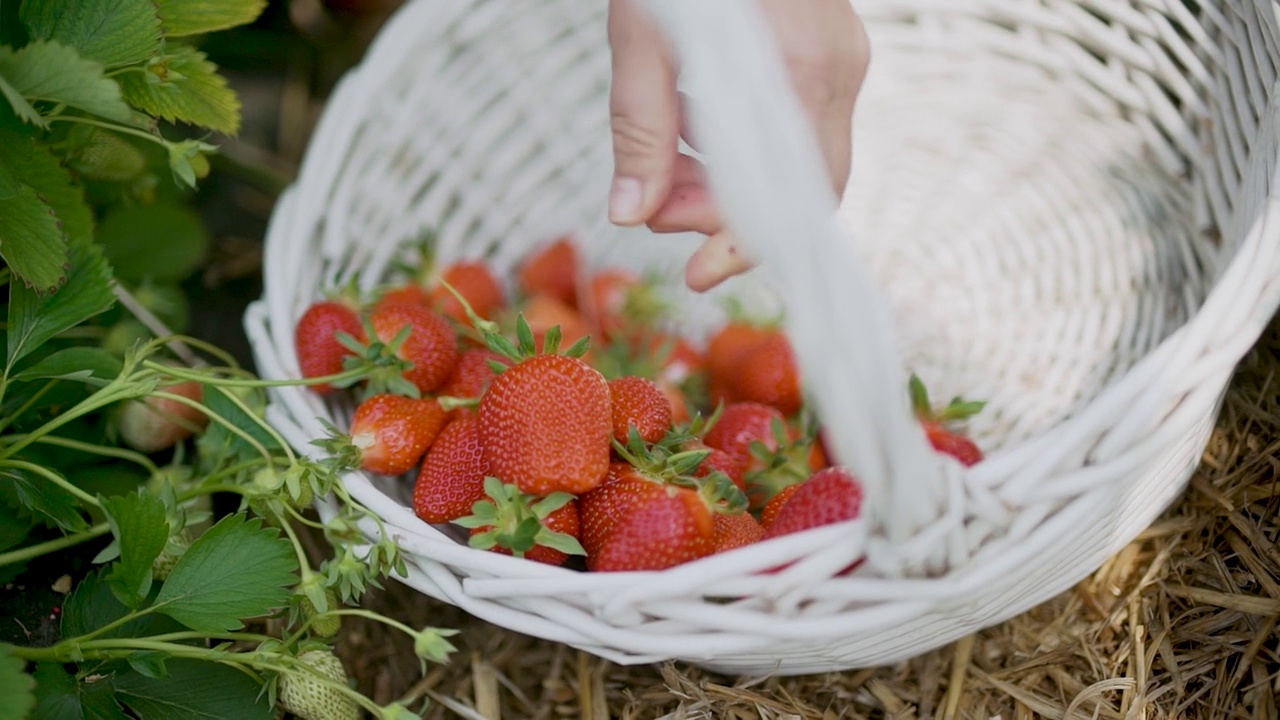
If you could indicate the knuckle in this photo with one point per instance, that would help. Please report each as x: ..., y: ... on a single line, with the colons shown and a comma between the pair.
x: 634, y: 138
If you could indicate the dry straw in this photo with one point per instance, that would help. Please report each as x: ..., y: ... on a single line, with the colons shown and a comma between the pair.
x: 1063, y: 207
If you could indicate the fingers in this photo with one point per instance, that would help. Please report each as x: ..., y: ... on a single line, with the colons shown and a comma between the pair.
x: 716, y: 261
x: 689, y: 207
x: 645, y: 115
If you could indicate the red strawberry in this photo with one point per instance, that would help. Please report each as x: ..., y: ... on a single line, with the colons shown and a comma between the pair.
x: 612, y: 499
x: 315, y: 339
x: 470, y: 377
x: 741, y: 424
x: 678, y: 401
x: 431, y: 345
x: 767, y: 373
x: 515, y: 523
x: 476, y: 283
x: 546, y: 425
x: 679, y: 357
x: 666, y: 526
x: 939, y: 424
x: 392, y: 432
x: 735, y: 531
x: 771, y: 508
x: 607, y: 303
x: 726, y: 346
x: 639, y: 403
x: 719, y: 460
x: 407, y: 294
x: 451, y: 479
x: 830, y: 496
x: 553, y: 271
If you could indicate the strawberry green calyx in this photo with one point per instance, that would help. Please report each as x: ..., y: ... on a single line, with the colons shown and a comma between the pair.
x: 384, y: 368
x: 667, y: 464
x: 958, y: 409
x: 525, y: 346
x: 786, y: 465
x: 517, y: 521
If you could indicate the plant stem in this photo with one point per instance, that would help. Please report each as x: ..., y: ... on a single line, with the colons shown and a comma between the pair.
x: 52, y: 477
x: 304, y: 563
x: 51, y: 546
x: 353, y: 374
x: 103, y: 450
x: 118, y: 389
x: 31, y: 401
x: 230, y: 426
x: 112, y: 126
x: 118, y: 622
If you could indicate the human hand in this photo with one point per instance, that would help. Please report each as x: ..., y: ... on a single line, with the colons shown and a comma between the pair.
x: 827, y: 51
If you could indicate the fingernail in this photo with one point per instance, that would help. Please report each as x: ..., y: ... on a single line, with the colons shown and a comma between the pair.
x: 624, y: 200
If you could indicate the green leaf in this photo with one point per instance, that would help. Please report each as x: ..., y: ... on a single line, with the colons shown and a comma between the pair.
x: 46, y: 499
x: 55, y: 73
x: 35, y: 164
x: 138, y: 522
x: 35, y: 318
x: 182, y: 85
x: 164, y: 242
x: 81, y: 364
x: 31, y: 240
x: 235, y: 570
x: 193, y: 17
x: 150, y: 663
x: 17, y: 688
x: 113, y: 32
x: 93, y: 605
x: 195, y: 690
x: 13, y: 528
x: 62, y: 697
x: 21, y: 107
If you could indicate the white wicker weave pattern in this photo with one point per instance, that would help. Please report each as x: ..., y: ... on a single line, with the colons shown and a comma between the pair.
x: 1064, y: 207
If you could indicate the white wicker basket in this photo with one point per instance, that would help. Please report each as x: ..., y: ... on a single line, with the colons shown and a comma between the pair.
x: 1063, y: 207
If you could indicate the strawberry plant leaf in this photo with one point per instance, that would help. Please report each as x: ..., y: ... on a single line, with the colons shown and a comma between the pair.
x: 61, y: 697
x: 150, y: 663
x: 21, y: 107
x: 37, y: 166
x: 46, y: 499
x: 182, y: 85
x: 93, y: 605
x: 194, y: 690
x: 113, y: 32
x: 35, y: 318
x: 192, y: 17
x: 87, y: 364
x: 17, y: 688
x: 237, y: 569
x: 218, y: 446
x: 163, y: 242
x: 139, y: 524
x: 46, y: 71
x: 31, y: 240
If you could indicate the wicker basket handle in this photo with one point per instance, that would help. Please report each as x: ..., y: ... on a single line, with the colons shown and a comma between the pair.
x: 768, y: 177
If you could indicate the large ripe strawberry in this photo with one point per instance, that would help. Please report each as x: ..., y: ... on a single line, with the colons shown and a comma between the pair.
x: 470, y: 378
x: 832, y: 495
x: 316, y: 340
x: 622, y: 304
x: 677, y: 400
x: 410, y: 293
x: 392, y: 432
x: 771, y: 509
x: 640, y: 404
x: 451, y: 479
x: 735, y: 531
x: 665, y: 526
x: 940, y: 425
x: 476, y: 283
x: 421, y: 337
x: 515, y: 523
x: 552, y: 270
x: 720, y: 461
x: 547, y: 421
x: 767, y: 373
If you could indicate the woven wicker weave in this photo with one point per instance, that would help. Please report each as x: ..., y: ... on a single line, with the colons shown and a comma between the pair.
x: 1063, y: 207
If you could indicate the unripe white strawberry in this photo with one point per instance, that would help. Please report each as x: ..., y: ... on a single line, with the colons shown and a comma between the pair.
x: 172, y: 553
x: 310, y: 699
x: 153, y: 424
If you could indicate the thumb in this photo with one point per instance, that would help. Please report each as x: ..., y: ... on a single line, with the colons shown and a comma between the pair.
x: 645, y: 115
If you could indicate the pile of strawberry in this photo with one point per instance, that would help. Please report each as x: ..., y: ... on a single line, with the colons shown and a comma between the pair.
x: 563, y: 422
